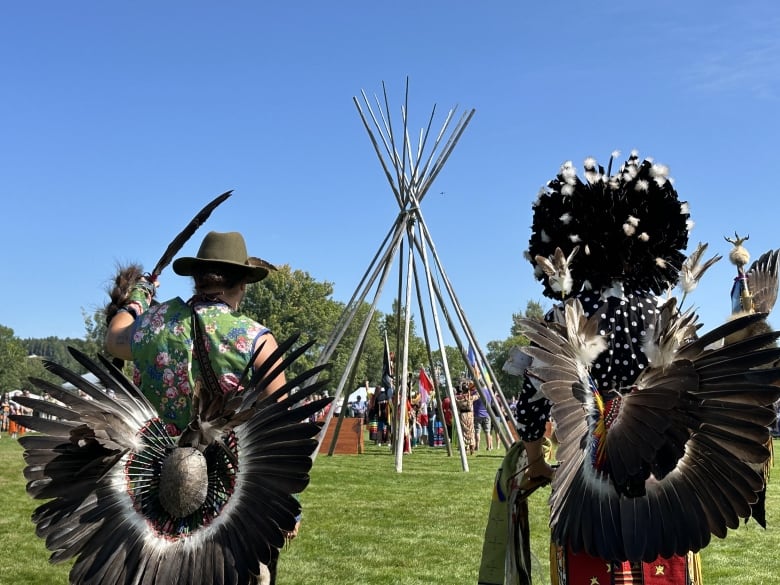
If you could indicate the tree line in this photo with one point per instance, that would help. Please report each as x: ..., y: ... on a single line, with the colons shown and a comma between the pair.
x: 287, y: 301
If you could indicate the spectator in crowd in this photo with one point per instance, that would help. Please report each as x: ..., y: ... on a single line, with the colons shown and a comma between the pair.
x: 776, y: 426
x: 6, y: 410
x: 359, y: 408
x: 482, y: 417
x: 464, y: 400
x: 446, y: 406
x: 422, y: 420
x: 382, y: 406
x: 432, y: 419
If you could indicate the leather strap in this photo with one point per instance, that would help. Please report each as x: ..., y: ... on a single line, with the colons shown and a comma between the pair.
x: 202, y: 355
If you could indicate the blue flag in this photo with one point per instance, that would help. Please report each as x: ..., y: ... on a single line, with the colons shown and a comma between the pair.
x: 472, y: 357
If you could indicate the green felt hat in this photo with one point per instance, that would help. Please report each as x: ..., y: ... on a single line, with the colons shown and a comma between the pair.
x: 223, y: 249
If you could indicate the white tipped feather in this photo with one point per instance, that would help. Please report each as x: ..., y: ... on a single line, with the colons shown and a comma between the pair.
x: 672, y: 330
x: 568, y: 172
x: 556, y: 267
x: 692, y: 270
x: 658, y: 170
x: 585, y: 343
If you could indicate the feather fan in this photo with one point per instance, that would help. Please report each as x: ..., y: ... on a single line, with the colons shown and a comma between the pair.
x: 133, y: 504
x: 656, y: 468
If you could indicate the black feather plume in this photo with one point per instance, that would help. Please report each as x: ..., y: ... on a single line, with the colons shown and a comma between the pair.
x: 630, y: 225
x: 179, y: 241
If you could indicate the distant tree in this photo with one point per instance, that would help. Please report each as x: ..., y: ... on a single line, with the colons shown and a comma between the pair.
x: 533, y: 310
x: 95, y: 327
x: 290, y: 301
x: 456, y: 363
x: 369, y: 366
x: 34, y: 369
x: 498, y: 351
x: 56, y: 350
x: 13, y: 358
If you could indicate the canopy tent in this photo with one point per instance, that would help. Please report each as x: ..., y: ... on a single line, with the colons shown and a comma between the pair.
x: 361, y: 392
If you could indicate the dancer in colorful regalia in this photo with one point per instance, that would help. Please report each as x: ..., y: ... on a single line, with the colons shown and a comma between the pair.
x: 662, y: 430
x: 189, y: 472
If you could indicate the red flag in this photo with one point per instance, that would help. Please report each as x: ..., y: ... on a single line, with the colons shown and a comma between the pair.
x: 426, y: 386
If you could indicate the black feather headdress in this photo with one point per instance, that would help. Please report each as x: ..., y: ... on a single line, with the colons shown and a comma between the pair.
x: 133, y: 504
x: 629, y: 226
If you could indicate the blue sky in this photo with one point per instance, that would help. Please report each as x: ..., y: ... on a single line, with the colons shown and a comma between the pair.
x: 118, y: 120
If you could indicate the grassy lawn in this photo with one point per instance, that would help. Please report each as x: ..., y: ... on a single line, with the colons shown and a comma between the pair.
x: 366, y: 524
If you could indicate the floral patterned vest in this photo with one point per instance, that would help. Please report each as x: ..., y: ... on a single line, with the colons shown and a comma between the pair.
x: 163, y: 364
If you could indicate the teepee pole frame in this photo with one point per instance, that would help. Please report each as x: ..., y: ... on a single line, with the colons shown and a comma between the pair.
x: 384, y: 268
x: 410, y: 173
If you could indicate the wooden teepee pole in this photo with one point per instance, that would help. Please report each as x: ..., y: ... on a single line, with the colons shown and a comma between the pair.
x: 410, y: 174
x: 434, y: 379
x: 385, y: 270
x: 445, y: 364
x: 499, y: 420
x: 400, y: 431
x: 506, y: 435
x: 369, y: 277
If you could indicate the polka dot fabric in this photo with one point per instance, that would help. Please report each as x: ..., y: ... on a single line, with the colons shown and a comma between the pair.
x: 625, y: 321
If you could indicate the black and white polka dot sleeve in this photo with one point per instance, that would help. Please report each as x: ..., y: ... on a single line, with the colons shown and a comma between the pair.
x: 533, y: 410
x: 625, y: 321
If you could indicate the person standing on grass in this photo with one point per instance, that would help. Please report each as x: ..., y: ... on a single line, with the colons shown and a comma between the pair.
x: 382, y: 417
x: 464, y: 401
x: 609, y: 249
x: 6, y: 410
x: 163, y: 341
x: 482, y: 419
x: 446, y: 406
x: 359, y: 408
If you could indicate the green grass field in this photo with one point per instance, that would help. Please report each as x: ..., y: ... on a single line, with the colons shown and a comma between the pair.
x: 364, y: 523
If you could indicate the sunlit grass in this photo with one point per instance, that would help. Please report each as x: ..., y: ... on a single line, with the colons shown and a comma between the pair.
x: 366, y: 524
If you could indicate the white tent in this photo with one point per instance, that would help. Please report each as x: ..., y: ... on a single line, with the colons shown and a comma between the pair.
x: 360, y: 391
x: 89, y: 377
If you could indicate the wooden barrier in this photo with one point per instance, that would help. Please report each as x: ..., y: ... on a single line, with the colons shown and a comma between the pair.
x: 350, y: 439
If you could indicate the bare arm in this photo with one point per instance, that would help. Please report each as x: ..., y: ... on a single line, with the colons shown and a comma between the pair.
x: 119, y: 334
x: 120, y: 329
x: 269, y: 346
